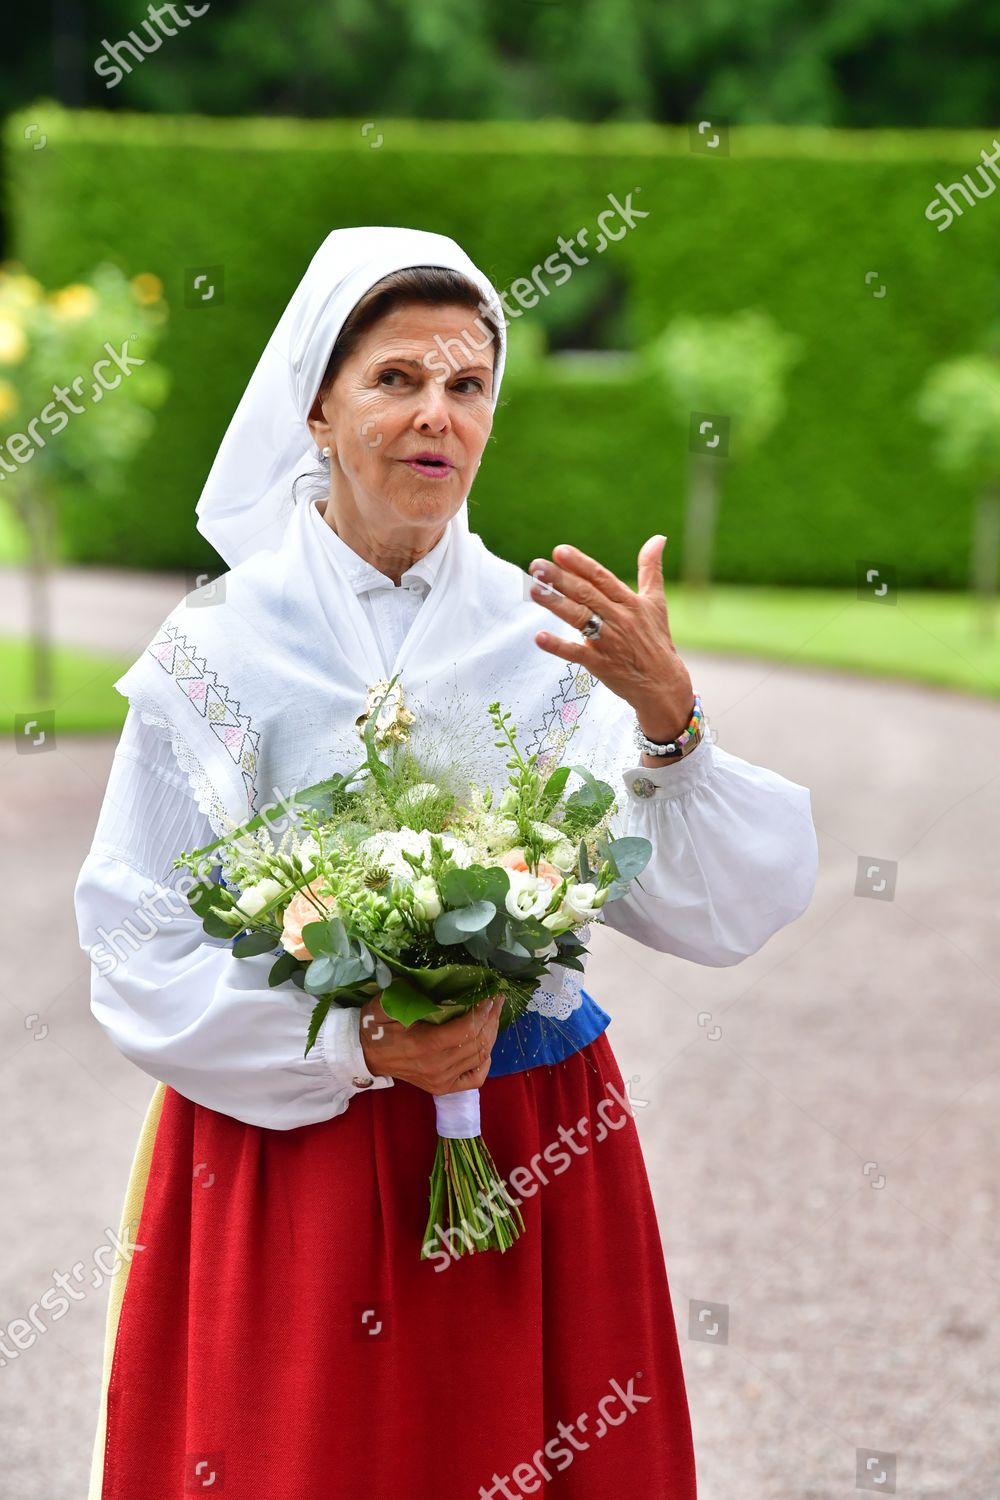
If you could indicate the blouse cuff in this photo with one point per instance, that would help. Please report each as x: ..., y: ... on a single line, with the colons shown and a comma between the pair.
x: 339, y: 1039
x: 646, y: 784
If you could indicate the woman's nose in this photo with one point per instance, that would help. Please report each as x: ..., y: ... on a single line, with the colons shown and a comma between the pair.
x: 433, y: 408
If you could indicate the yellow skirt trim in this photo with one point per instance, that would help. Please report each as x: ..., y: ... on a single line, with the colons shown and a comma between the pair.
x: 135, y: 1192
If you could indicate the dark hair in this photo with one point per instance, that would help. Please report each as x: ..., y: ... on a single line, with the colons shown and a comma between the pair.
x: 434, y: 286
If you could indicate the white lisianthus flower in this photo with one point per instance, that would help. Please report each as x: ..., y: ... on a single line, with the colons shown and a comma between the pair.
x: 426, y: 901
x: 529, y: 895
x: 583, y: 899
x: 558, y: 921
x: 255, y: 897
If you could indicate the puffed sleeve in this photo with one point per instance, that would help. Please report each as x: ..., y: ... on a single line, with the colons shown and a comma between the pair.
x: 734, y: 856
x: 177, y: 1003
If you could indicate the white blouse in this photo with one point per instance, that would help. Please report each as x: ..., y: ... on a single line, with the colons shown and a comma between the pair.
x: 181, y: 1007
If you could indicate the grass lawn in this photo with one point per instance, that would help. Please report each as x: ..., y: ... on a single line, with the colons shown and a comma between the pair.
x: 84, y: 700
x: 927, y: 637
x: 924, y: 637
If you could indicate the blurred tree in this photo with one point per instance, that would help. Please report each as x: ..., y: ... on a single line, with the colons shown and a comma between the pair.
x: 75, y: 402
x: 961, y: 399
x: 725, y: 377
x: 905, y: 63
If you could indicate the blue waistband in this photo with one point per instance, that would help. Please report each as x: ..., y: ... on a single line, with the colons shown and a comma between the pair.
x: 534, y: 1039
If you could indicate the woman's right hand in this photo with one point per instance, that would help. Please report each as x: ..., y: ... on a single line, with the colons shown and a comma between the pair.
x: 442, y: 1059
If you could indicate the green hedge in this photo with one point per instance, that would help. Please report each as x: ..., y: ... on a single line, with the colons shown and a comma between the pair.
x: 789, y: 222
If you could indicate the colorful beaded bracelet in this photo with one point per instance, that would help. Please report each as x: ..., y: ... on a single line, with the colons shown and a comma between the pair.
x: 677, y: 748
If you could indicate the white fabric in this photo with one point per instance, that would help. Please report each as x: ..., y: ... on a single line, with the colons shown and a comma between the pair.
x: 458, y: 1115
x: 253, y: 690
x: 244, y: 505
x: 733, y: 860
x: 391, y: 610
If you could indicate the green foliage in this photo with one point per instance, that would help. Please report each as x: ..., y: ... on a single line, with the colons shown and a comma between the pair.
x: 790, y: 223
x: 961, y: 399
x: 62, y: 342
x: 736, y: 365
x: 926, y: 62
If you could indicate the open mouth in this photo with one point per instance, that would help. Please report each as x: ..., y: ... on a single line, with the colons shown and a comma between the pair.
x: 435, y: 468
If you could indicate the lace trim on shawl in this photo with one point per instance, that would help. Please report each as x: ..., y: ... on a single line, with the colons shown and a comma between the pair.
x: 205, y: 795
x: 559, y: 724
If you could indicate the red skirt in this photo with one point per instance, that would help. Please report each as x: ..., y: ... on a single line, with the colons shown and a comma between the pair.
x: 281, y: 1339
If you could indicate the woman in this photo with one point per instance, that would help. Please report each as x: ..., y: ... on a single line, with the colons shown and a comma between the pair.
x: 278, y: 1334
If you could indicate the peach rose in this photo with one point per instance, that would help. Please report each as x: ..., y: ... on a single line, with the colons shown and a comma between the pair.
x: 299, y: 912
x: 514, y: 860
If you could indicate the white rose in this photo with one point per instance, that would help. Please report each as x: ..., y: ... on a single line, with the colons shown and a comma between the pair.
x: 562, y: 855
x: 500, y: 833
x: 547, y: 833
x: 426, y: 901
x: 255, y: 897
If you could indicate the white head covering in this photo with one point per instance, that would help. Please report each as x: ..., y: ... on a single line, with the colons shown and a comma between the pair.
x: 247, y: 498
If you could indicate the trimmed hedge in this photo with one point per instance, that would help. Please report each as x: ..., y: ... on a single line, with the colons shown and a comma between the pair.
x: 790, y: 222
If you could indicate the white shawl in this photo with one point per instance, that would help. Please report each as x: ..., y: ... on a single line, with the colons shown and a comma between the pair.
x: 259, y: 678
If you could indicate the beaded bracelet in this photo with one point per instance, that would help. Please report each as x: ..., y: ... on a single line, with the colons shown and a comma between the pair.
x: 677, y: 748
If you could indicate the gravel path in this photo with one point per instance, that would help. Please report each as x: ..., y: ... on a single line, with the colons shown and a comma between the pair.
x: 819, y: 1126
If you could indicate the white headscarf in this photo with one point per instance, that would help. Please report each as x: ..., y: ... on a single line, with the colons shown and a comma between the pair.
x: 246, y: 502
x: 259, y: 682
x: 258, y: 685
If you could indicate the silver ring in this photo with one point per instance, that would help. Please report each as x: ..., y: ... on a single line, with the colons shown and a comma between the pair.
x: 592, y: 626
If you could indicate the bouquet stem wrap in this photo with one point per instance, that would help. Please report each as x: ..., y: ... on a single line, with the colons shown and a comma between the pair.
x: 470, y: 1210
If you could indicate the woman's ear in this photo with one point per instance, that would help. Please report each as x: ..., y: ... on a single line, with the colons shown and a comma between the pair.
x: 318, y: 426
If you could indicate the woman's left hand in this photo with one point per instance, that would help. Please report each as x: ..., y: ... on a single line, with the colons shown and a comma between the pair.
x: 634, y: 655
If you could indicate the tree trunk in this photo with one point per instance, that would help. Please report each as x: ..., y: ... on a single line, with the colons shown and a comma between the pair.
x: 37, y: 514
x: 704, y: 485
x: 985, y: 559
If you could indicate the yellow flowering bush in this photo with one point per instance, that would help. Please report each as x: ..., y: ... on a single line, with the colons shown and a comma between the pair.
x: 78, y: 385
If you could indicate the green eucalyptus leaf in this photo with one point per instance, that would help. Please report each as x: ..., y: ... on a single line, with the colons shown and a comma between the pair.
x: 455, y: 926
x: 631, y: 856
x: 283, y: 968
x: 253, y: 943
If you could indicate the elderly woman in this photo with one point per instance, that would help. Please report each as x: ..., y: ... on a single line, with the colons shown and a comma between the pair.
x: 273, y: 1333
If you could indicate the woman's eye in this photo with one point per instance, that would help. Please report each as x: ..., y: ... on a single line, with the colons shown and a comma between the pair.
x: 391, y: 372
x: 471, y: 380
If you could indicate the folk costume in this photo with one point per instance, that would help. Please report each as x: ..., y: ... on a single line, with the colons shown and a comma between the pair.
x: 277, y: 1334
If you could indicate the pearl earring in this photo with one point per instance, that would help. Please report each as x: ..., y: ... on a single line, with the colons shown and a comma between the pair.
x: 326, y: 453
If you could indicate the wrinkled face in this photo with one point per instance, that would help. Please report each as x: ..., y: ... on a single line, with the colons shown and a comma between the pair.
x: 388, y: 408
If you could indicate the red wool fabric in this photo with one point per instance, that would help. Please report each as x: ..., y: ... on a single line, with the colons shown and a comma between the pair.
x: 281, y: 1339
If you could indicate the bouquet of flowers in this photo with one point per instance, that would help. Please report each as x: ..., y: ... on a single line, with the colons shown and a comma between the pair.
x: 431, y: 896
